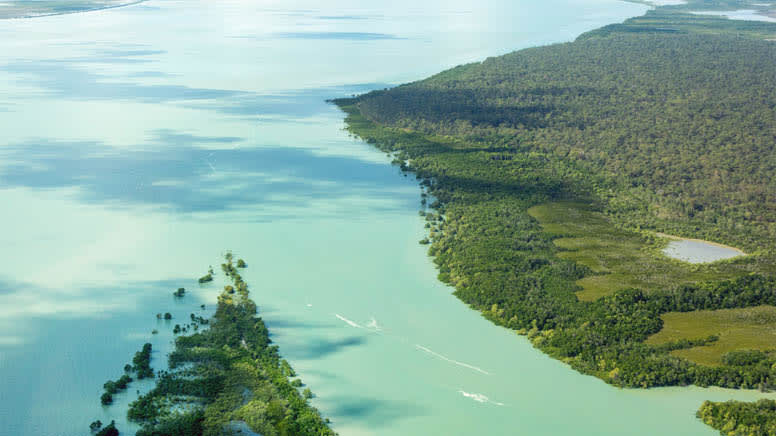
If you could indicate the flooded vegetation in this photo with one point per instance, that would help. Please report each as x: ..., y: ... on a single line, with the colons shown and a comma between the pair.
x: 227, y: 374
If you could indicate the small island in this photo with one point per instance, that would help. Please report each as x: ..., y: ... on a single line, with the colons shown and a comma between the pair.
x: 207, y: 278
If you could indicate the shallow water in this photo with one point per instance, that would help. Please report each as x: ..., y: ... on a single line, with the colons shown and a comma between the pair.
x: 139, y: 143
x: 694, y: 251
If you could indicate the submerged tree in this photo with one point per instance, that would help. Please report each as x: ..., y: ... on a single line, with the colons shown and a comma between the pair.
x: 109, y: 430
x: 95, y: 425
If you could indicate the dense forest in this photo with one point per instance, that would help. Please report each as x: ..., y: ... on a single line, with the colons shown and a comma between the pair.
x: 735, y: 418
x: 674, y: 131
x: 228, y: 379
x: 664, y: 123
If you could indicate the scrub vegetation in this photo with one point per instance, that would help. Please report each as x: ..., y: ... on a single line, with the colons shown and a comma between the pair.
x: 227, y: 376
x: 553, y: 168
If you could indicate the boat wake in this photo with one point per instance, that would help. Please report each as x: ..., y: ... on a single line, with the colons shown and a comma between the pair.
x: 373, y: 325
x: 480, y: 398
x: 447, y: 359
x: 347, y: 321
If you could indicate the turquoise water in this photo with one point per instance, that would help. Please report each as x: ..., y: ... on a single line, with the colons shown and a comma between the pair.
x: 139, y: 143
x: 694, y: 251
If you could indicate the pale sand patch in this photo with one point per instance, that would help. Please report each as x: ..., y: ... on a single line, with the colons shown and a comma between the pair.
x: 679, y: 238
x: 667, y: 2
x: 742, y: 14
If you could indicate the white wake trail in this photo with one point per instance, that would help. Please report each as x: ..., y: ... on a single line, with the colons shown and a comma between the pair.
x: 349, y: 322
x: 480, y: 398
x: 373, y: 325
x: 465, y: 365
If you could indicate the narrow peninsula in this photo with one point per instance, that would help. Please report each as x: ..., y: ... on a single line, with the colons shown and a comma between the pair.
x: 228, y: 379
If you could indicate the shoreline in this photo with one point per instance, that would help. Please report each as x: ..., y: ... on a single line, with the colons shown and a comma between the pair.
x: 481, y: 207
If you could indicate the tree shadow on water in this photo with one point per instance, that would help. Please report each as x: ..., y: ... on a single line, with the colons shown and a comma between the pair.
x: 373, y: 412
x: 317, y: 348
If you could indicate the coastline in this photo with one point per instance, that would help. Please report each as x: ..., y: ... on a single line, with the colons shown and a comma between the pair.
x: 392, y: 132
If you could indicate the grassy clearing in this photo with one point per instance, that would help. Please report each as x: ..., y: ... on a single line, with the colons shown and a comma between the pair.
x: 752, y: 328
x: 619, y: 259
